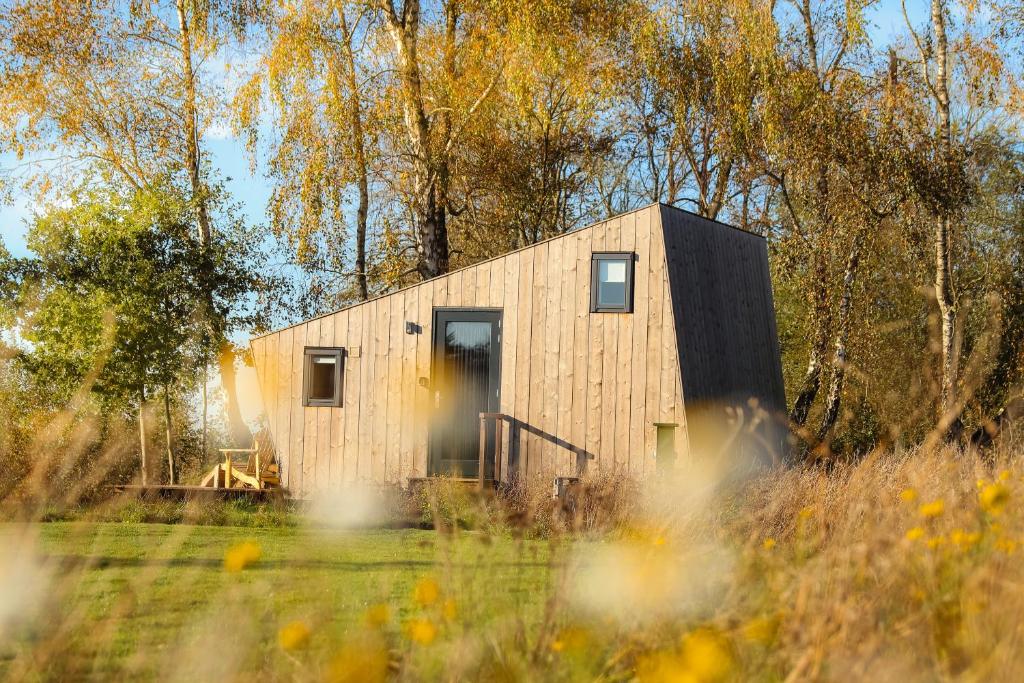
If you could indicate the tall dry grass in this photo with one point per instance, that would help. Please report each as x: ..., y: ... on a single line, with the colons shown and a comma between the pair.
x: 904, y: 565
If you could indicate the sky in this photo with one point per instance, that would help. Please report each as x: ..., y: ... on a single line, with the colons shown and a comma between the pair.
x: 250, y: 187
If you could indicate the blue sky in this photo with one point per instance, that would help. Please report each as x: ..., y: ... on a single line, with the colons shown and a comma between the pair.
x: 251, y: 188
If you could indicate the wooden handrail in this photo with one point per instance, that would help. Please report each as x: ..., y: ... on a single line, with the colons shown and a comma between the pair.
x: 515, y: 427
x: 498, y: 418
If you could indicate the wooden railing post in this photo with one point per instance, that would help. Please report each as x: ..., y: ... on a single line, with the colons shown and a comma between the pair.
x: 497, y: 449
x: 483, y: 448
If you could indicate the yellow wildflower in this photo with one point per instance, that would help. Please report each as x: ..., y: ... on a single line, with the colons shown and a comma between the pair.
x: 242, y: 555
x: 963, y: 539
x: 768, y: 544
x: 936, y: 541
x: 293, y: 636
x: 993, y: 498
x: 426, y: 592
x: 805, y: 513
x: 364, y: 661
x: 980, y: 483
x: 377, y: 615
x: 915, y: 533
x: 908, y: 495
x: 422, y: 631
x: 1006, y: 545
x: 932, y: 509
x: 706, y: 655
x: 1004, y: 475
x: 570, y: 640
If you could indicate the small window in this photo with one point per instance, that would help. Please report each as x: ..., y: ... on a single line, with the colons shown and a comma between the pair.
x: 611, y: 282
x: 322, y: 378
x: 666, y: 446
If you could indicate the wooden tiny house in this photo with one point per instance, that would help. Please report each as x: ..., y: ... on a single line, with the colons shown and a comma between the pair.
x: 592, y: 348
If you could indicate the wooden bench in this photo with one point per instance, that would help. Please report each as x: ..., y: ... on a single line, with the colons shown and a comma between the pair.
x: 260, y: 470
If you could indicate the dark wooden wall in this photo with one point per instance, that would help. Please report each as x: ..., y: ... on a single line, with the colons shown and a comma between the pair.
x: 722, y: 301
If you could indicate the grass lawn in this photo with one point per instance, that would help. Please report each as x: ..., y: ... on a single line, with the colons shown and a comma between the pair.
x: 119, y: 600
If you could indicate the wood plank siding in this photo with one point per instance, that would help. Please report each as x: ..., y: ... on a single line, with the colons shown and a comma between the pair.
x: 584, y: 387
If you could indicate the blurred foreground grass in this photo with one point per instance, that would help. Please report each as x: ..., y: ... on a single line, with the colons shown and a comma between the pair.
x: 904, y: 566
x: 184, y: 602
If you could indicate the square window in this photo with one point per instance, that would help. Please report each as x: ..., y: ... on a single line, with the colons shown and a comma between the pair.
x: 322, y: 377
x: 611, y: 282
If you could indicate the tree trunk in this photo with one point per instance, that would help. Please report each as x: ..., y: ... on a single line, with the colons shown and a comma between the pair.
x: 193, y: 165
x: 359, y: 149
x: 167, y: 435
x: 142, y: 436
x: 239, y: 430
x: 190, y: 117
x: 429, y: 205
x: 943, y: 278
x: 812, y: 376
x: 835, y: 390
x: 206, y: 405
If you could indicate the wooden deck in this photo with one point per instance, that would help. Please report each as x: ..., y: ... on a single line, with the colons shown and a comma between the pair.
x: 182, y: 492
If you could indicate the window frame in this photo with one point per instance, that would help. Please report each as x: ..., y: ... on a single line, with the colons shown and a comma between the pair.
x: 595, y: 268
x: 311, y: 352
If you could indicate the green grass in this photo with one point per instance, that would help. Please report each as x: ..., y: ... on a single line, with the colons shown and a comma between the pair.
x: 155, y: 601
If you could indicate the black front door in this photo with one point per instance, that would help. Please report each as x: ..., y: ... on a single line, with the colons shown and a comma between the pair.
x: 467, y: 377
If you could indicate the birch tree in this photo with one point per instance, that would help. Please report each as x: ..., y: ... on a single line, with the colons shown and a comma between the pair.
x: 117, y: 88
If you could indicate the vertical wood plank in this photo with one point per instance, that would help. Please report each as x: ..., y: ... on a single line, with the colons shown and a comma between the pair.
x: 540, y: 339
x: 657, y: 290
x: 379, y: 436
x: 638, y: 354
x: 282, y: 444
x: 566, y: 301
x: 407, y: 388
x: 524, y: 343
x: 595, y: 369
x: 323, y: 418
x: 552, y: 454
x: 422, y: 394
x: 581, y: 342
x: 353, y: 403
x: 610, y: 366
x: 623, y: 352
x: 298, y: 422
x: 369, y: 392
x: 394, y: 457
x: 339, y: 339
x: 268, y: 379
x: 509, y: 345
x: 309, y: 444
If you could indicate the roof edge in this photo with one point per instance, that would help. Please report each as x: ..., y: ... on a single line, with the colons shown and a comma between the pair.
x: 472, y: 265
x: 711, y: 220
